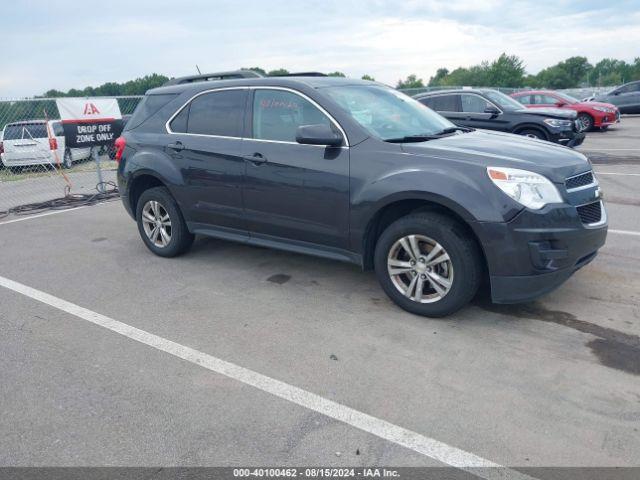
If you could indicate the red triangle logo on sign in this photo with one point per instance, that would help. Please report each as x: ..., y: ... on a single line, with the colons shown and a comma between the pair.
x: 90, y: 109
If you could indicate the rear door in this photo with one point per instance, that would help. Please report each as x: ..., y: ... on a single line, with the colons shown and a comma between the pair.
x: 447, y: 105
x: 294, y: 191
x: 205, y: 141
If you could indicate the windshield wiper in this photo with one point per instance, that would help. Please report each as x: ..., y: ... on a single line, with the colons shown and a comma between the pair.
x: 423, y: 137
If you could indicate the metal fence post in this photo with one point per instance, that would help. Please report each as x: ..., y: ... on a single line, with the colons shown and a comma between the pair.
x: 96, y: 157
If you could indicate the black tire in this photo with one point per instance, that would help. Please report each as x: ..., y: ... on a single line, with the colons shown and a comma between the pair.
x: 604, y: 128
x: 463, y: 251
x: 533, y: 133
x: 180, y: 237
x: 586, y: 122
x: 67, y: 161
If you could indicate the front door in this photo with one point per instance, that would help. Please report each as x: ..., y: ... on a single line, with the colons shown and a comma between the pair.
x: 295, y: 192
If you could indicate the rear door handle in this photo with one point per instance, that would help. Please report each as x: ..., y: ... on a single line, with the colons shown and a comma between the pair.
x: 256, y: 158
x: 177, y: 146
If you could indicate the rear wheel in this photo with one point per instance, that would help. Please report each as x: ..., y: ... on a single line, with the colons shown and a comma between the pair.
x: 585, y: 122
x: 67, y: 161
x: 428, y: 264
x: 161, y: 224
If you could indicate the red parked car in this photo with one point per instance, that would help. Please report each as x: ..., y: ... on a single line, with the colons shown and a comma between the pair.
x: 590, y: 114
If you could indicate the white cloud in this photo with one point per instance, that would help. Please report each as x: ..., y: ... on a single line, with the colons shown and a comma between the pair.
x: 47, y: 47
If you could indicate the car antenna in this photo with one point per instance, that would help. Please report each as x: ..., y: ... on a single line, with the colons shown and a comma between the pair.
x: 198, y: 68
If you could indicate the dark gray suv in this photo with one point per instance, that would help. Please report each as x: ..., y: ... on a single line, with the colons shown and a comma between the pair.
x: 356, y: 171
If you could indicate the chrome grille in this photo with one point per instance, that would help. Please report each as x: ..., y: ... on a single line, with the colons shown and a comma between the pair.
x: 590, y: 213
x: 579, y: 180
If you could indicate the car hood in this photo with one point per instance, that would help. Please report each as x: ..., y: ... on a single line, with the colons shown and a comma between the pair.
x: 598, y: 104
x: 550, y: 112
x: 488, y: 148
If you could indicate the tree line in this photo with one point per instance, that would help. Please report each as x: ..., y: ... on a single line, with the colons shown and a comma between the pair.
x: 509, y: 71
x: 505, y: 71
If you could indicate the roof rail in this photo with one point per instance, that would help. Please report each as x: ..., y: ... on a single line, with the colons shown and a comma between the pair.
x: 213, y: 76
x: 300, y: 74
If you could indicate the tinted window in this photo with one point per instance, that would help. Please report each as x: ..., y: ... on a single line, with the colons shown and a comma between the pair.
x: 277, y: 114
x: 58, y: 131
x: 546, y: 100
x: 27, y: 130
x: 148, y: 106
x: 217, y: 113
x: 524, y: 99
x: 632, y: 87
x: 179, y: 122
x: 473, y: 104
x: 442, y: 103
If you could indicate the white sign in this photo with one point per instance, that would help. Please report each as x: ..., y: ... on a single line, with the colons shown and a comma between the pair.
x: 90, y: 121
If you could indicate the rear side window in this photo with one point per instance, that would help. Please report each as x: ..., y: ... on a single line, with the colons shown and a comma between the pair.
x: 443, y: 103
x: 216, y: 113
x: 149, y: 105
x: 25, y: 131
x: 277, y: 114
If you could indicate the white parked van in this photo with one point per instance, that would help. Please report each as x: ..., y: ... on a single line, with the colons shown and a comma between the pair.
x: 28, y: 143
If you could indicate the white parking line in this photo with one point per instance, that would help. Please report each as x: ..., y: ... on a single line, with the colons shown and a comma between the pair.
x: 622, y: 174
x: 624, y: 232
x: 46, y: 214
x: 424, y: 445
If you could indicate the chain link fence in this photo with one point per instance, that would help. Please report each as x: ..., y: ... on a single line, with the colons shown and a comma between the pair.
x: 36, y: 166
x: 579, y: 93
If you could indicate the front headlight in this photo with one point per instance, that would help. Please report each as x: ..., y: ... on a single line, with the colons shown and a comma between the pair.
x: 527, y: 188
x: 554, y: 122
x: 603, y: 109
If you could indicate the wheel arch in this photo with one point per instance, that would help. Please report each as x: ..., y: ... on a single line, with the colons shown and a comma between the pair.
x: 399, y: 207
x: 530, y: 126
x: 140, y: 183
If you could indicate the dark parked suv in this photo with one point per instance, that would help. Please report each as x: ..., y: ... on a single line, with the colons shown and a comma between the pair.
x: 493, y: 110
x: 356, y: 171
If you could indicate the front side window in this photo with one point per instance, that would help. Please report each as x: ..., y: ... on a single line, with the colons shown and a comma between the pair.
x: 524, y: 99
x: 474, y: 104
x: 215, y: 113
x: 386, y: 113
x: 277, y: 114
x: 503, y: 101
x: 547, y: 100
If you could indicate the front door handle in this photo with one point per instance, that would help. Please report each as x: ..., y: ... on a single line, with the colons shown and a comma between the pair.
x: 256, y: 158
x: 177, y: 146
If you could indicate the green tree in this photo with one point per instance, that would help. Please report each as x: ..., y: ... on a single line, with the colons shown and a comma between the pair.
x: 259, y: 70
x: 412, y: 81
x: 368, y: 77
x: 336, y: 74
x: 439, y: 77
x: 278, y: 71
x: 506, y: 71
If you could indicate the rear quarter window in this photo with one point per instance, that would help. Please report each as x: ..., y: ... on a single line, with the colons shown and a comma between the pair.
x: 148, y: 106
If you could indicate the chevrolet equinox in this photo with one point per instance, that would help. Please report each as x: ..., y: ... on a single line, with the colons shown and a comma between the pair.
x: 356, y: 171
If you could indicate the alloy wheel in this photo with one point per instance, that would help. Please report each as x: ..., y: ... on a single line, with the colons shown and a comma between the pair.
x: 420, y: 268
x: 156, y: 223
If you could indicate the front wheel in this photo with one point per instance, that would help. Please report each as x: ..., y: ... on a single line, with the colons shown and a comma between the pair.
x: 161, y: 224
x: 428, y: 264
x: 533, y: 133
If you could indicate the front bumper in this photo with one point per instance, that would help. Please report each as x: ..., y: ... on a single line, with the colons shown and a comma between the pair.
x: 605, y: 119
x: 538, y: 251
x: 568, y: 138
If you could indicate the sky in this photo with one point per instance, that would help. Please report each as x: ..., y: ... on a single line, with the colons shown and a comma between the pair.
x: 73, y: 44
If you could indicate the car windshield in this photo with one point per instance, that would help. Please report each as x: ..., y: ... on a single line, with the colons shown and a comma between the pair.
x: 505, y: 102
x: 386, y: 113
x: 567, y: 98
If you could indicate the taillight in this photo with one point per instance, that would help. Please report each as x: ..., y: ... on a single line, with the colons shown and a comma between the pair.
x: 1, y: 147
x: 53, y: 143
x: 120, y: 143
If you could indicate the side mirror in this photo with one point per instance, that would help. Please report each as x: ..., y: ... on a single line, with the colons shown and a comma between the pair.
x: 492, y: 110
x: 320, y: 134
x: 560, y: 104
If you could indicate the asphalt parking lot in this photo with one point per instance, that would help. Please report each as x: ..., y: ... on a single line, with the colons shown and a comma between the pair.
x: 348, y: 377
